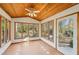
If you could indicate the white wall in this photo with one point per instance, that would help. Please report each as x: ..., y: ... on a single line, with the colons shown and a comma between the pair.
x: 25, y: 19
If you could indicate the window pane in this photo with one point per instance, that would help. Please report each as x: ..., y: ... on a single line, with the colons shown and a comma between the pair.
x: 4, y: 31
x: 21, y: 30
x: 31, y: 33
x: 51, y: 30
x: 36, y: 30
x: 18, y: 31
x: 44, y: 29
x: 25, y: 30
x: 9, y: 30
x: 66, y: 33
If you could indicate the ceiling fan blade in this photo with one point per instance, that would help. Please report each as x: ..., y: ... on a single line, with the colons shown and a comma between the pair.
x: 28, y: 10
x: 31, y: 15
x: 36, y: 11
x: 27, y: 14
x: 35, y: 15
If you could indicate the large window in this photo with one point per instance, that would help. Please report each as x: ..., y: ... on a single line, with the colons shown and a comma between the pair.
x: 23, y: 30
x: 66, y: 34
x: 47, y: 30
x: 51, y: 30
x: 44, y: 30
x: 65, y: 31
x: 36, y: 30
x: 5, y: 31
x: 31, y: 32
x: 18, y: 30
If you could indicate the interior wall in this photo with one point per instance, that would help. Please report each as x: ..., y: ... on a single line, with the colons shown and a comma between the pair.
x: 25, y: 19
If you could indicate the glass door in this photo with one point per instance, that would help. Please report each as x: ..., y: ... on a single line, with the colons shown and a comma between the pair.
x: 66, y: 35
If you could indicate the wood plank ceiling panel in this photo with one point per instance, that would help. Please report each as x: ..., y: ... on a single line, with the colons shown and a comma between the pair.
x: 57, y: 8
x: 46, y: 9
x: 8, y: 9
x: 20, y: 9
x: 40, y: 7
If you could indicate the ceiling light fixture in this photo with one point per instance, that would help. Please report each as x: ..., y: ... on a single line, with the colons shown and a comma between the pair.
x: 32, y: 12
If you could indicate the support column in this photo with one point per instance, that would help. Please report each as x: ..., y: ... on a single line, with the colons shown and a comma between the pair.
x: 12, y: 30
x: 40, y: 30
x: 78, y: 33
x: 0, y: 31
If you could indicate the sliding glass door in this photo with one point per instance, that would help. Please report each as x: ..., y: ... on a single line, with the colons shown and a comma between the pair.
x: 66, y: 31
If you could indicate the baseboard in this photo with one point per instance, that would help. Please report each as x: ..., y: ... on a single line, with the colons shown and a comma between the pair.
x: 26, y: 39
x: 48, y: 42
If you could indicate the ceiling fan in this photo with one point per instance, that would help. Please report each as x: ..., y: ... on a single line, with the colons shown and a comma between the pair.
x: 32, y: 12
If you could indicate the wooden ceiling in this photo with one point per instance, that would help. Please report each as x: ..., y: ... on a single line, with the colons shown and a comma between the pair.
x: 16, y: 10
